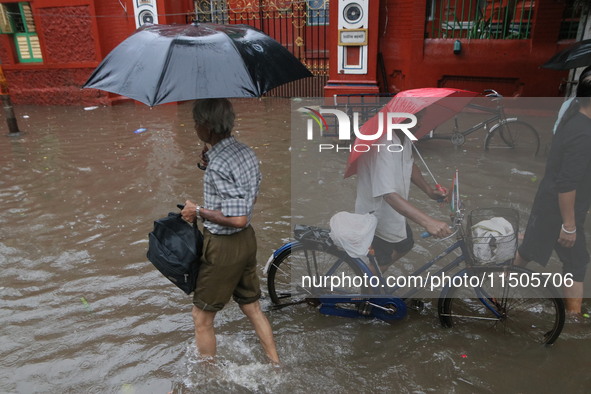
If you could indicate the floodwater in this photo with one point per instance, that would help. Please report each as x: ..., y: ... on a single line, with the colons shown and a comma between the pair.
x: 83, y: 311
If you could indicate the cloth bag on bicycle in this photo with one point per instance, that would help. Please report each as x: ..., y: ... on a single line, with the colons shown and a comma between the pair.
x: 493, y: 240
x: 353, y: 232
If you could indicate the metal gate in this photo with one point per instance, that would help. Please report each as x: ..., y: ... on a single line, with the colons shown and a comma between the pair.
x: 299, y: 25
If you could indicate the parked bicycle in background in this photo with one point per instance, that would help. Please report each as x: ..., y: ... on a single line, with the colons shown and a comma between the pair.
x: 502, y: 131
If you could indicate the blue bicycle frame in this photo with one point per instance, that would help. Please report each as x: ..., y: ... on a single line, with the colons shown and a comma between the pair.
x: 386, y: 304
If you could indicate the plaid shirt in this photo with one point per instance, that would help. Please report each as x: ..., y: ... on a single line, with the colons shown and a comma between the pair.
x: 231, y: 182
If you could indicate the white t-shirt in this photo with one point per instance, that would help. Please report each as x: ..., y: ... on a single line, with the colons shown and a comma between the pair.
x: 379, y: 173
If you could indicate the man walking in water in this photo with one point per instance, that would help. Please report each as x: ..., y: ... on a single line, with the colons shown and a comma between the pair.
x: 228, y: 263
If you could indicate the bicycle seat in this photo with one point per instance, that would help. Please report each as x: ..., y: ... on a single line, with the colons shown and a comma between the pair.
x: 313, y: 235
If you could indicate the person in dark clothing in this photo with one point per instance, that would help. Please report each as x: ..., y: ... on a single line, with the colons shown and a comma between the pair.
x: 563, y: 198
x: 586, y: 72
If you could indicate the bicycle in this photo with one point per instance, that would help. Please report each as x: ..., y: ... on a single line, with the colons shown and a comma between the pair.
x: 537, y: 312
x: 502, y: 132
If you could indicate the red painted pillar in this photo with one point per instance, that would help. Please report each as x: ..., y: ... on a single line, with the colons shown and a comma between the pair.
x: 353, y: 38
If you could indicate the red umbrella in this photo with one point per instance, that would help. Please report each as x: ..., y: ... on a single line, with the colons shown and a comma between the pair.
x: 426, y: 103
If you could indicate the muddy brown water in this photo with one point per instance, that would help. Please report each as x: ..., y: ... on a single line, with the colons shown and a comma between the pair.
x: 83, y: 311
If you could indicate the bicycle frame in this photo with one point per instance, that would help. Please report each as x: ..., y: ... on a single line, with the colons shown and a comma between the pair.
x: 485, y: 299
x: 389, y: 299
x: 464, y: 256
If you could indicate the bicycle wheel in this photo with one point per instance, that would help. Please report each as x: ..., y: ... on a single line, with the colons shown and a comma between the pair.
x: 302, y: 274
x: 515, y: 135
x: 525, y: 312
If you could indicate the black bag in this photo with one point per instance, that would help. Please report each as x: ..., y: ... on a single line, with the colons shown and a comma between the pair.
x: 175, y: 250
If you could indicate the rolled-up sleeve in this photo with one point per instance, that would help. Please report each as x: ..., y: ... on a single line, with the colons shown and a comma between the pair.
x: 575, y: 162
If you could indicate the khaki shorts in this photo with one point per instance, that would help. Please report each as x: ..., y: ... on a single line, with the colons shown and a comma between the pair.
x: 228, y: 268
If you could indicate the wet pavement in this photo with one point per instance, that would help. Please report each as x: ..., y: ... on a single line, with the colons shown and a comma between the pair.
x: 82, y: 310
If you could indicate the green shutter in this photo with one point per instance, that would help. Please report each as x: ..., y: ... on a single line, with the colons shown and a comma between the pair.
x: 27, y: 44
x: 27, y: 16
x: 28, y: 48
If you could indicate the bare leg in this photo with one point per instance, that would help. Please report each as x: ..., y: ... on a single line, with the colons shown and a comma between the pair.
x: 262, y: 327
x: 519, y: 261
x: 394, y: 258
x: 573, y: 297
x: 204, y: 332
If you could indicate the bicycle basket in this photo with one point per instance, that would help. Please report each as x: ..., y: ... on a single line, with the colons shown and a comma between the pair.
x: 492, y: 234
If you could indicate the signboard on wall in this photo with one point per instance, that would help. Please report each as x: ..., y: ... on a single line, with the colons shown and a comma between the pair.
x: 352, y: 37
x: 145, y: 12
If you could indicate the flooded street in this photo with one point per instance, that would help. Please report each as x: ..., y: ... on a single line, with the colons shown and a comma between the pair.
x: 82, y: 310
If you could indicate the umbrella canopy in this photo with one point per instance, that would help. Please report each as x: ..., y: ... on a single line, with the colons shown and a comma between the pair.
x: 426, y: 103
x: 165, y: 63
x: 577, y: 55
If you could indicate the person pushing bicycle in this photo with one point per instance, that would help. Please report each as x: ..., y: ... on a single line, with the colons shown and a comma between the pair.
x: 383, y: 185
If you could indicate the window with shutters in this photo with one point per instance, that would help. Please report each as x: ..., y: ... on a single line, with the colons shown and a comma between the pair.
x: 16, y: 19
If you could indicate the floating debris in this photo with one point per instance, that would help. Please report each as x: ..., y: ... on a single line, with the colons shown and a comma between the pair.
x: 140, y: 130
x: 519, y: 172
x: 86, y: 304
x: 91, y: 108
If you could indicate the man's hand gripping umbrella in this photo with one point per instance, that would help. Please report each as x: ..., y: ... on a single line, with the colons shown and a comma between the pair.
x: 455, y: 203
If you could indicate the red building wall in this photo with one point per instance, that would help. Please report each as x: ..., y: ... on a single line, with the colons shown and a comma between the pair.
x: 6, y: 50
x: 115, y: 23
x: 69, y: 44
x: 67, y: 33
x: 75, y: 35
x: 510, y: 66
